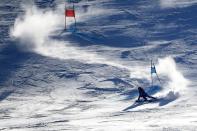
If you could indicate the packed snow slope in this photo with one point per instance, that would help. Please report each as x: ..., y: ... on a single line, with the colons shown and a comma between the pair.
x: 87, y: 79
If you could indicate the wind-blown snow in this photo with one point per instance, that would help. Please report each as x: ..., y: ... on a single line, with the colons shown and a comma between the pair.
x: 36, y: 26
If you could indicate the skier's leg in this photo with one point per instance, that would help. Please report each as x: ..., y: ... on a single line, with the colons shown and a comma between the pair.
x: 151, y: 97
x: 144, y: 97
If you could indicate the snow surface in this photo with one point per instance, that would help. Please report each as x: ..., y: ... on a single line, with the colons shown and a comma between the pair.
x: 51, y: 79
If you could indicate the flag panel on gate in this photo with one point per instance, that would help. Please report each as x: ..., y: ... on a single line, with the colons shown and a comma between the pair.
x: 153, y: 70
x: 70, y: 13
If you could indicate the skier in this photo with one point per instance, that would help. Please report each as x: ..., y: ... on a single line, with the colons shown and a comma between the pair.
x: 143, y: 94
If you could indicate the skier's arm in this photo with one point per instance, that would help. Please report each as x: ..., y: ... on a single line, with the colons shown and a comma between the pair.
x: 138, y: 98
